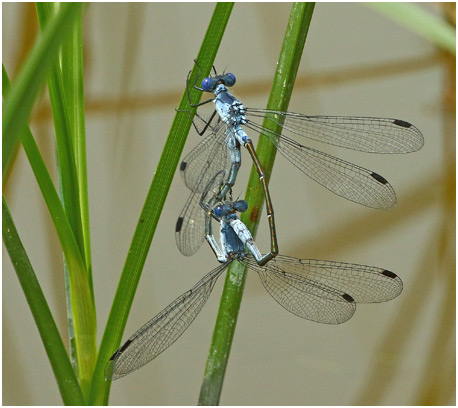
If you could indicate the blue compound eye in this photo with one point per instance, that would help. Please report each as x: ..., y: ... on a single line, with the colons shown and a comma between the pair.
x: 207, y: 84
x: 218, y: 211
x: 241, y: 206
x: 229, y: 79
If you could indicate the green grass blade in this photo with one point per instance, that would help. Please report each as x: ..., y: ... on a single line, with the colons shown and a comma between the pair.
x: 66, y: 165
x: 74, y: 260
x: 63, y: 109
x: 152, y: 208
x: 418, y: 20
x: 73, y: 81
x: 282, y: 87
x: 60, y: 107
x: 18, y: 105
x: 63, y: 371
x: 67, y: 100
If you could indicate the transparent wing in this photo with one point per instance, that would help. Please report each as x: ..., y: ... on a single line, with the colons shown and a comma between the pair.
x: 343, y: 178
x: 206, y: 159
x: 163, y: 329
x: 191, y: 224
x: 366, y: 134
x: 365, y: 284
x: 302, y: 296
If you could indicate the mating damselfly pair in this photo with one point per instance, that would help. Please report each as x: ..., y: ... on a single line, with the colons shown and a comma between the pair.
x: 321, y: 291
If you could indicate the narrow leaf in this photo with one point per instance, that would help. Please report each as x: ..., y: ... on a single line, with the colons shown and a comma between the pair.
x: 74, y: 260
x: 63, y: 109
x: 63, y: 371
x: 18, y: 105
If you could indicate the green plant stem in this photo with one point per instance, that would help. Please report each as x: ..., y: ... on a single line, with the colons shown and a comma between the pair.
x: 282, y: 87
x: 64, y: 231
x: 152, y: 208
x: 81, y: 314
x: 74, y: 260
x: 65, y: 155
x: 62, y: 111
x: 18, y: 105
x: 73, y: 87
x: 73, y: 81
x: 66, y: 380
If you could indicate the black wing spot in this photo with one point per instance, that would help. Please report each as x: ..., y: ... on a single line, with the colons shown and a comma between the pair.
x: 183, y: 166
x: 348, y: 298
x: 379, y: 178
x: 402, y: 123
x: 389, y: 274
x: 119, y: 351
x: 179, y: 224
x: 124, y: 346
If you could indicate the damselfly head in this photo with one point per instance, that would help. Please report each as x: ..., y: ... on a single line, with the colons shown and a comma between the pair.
x: 230, y: 207
x: 209, y: 83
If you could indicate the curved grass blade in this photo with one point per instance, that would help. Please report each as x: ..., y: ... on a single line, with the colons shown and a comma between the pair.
x: 18, y: 105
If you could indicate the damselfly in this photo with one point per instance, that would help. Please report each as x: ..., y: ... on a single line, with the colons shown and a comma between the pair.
x: 321, y: 291
x: 221, y: 150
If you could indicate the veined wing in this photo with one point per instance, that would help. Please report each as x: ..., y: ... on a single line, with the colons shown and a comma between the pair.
x: 302, y: 296
x: 192, y: 223
x: 343, y: 178
x: 365, y: 284
x: 366, y: 134
x: 163, y: 329
x: 206, y: 159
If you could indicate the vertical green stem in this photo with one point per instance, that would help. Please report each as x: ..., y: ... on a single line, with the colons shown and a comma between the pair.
x: 282, y: 87
x: 64, y: 81
x: 73, y: 89
x: 73, y: 82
